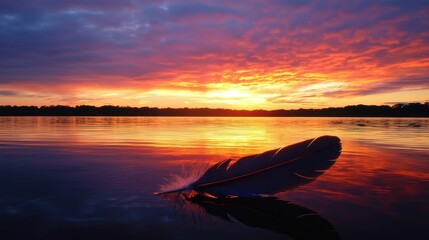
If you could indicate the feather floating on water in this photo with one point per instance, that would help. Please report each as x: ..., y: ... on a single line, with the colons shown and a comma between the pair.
x: 270, y: 172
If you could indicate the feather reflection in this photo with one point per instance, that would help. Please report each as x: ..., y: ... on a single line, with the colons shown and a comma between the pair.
x: 270, y: 213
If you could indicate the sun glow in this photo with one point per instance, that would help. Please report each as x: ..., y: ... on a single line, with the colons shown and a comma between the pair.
x: 229, y: 94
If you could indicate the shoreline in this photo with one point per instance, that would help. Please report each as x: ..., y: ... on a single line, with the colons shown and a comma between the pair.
x: 397, y: 110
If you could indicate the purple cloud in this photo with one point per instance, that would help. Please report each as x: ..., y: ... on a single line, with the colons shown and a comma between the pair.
x: 59, y: 42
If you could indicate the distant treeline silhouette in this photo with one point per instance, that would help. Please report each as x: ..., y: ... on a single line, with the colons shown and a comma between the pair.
x: 397, y: 110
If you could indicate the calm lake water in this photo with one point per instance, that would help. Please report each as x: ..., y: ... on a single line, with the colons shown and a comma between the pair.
x: 94, y: 178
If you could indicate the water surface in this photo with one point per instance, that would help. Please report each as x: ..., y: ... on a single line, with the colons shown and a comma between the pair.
x: 93, y: 178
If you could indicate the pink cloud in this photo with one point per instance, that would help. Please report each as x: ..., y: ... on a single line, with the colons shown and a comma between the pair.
x: 154, y: 45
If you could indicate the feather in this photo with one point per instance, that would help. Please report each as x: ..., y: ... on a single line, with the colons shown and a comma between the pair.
x: 270, y: 172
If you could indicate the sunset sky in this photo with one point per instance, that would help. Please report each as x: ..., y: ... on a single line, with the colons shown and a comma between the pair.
x: 230, y: 54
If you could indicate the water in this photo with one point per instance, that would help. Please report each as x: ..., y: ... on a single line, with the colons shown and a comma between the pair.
x: 94, y: 178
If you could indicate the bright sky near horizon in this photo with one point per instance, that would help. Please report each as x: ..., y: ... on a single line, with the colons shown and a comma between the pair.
x: 231, y: 54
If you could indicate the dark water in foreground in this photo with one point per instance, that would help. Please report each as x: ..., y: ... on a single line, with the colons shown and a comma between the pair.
x: 93, y: 178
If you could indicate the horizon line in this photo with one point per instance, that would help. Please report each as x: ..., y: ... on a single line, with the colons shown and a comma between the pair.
x: 390, y: 104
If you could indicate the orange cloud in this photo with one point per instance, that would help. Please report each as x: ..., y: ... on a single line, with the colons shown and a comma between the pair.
x: 262, y: 55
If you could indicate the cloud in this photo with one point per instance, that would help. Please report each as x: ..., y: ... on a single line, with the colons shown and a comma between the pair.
x: 373, y: 47
x: 8, y: 93
x: 283, y: 99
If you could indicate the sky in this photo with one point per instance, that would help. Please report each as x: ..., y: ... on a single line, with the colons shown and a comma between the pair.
x: 272, y: 54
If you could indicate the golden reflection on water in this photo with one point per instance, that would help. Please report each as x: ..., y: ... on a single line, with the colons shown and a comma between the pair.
x: 382, y: 171
x: 374, y: 139
x: 256, y: 133
x: 224, y: 137
x: 371, y: 146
